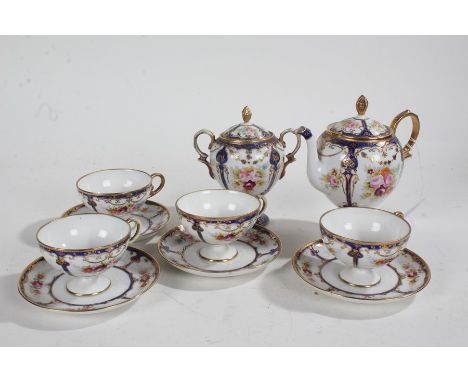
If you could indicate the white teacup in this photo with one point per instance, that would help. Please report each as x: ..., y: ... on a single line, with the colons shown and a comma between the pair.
x: 117, y: 191
x: 364, y: 239
x: 84, y: 246
x: 218, y: 218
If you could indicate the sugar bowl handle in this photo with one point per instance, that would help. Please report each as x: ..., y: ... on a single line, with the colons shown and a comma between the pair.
x: 162, y: 181
x: 203, y: 156
x: 414, y: 133
x: 290, y: 157
x: 136, y: 227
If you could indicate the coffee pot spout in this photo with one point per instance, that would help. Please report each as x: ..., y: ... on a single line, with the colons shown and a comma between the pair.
x: 314, y: 168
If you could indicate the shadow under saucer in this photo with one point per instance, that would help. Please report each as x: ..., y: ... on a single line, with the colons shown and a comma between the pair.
x: 286, y: 289
x: 25, y: 314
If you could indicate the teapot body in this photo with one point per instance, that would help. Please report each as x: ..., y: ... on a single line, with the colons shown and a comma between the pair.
x: 253, y: 168
x: 359, y: 173
x: 358, y: 161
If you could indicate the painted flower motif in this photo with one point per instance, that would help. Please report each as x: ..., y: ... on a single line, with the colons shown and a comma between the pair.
x: 247, y: 132
x: 90, y: 269
x: 255, y: 237
x: 333, y: 179
x: 380, y: 262
x: 37, y: 283
x: 412, y: 275
x: 123, y: 209
x: 353, y: 125
x: 248, y: 177
x: 144, y: 278
x: 306, y: 269
x: 381, y: 182
x: 183, y: 237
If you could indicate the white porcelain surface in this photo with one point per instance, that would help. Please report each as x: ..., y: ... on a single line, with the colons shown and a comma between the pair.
x: 83, y: 231
x: 114, y: 181
x: 255, y: 249
x: 365, y: 224
x: 218, y: 203
x: 133, y: 274
x: 152, y: 217
x: 402, y: 278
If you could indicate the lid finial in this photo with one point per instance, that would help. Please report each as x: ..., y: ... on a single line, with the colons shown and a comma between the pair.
x: 361, y: 105
x: 246, y: 114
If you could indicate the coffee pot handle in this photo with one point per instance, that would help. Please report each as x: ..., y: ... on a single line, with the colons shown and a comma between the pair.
x: 203, y: 156
x: 290, y: 157
x: 414, y: 133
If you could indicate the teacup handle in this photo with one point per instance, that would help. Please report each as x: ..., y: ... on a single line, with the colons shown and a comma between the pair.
x: 137, y: 228
x: 263, y: 202
x: 203, y: 156
x: 290, y: 157
x: 414, y: 133
x: 161, y: 184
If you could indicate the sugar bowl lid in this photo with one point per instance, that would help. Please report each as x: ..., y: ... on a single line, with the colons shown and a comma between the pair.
x: 246, y: 132
x: 360, y: 127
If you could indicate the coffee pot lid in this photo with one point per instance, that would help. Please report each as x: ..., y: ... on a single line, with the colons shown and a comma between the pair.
x: 246, y: 132
x: 360, y: 127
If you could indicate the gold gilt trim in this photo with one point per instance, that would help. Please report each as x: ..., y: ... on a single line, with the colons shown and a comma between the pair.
x: 141, y: 189
x: 157, y: 273
x: 343, y: 137
x: 246, y: 114
x: 65, y: 250
x: 218, y: 219
x: 247, y: 141
x: 362, y: 242
x: 384, y: 299
x: 272, y: 235
x: 361, y: 105
x: 71, y: 211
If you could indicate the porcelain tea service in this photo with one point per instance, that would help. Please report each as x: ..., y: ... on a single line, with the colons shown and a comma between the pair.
x: 87, y: 265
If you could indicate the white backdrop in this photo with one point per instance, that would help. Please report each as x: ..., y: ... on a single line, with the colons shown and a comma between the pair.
x: 71, y: 105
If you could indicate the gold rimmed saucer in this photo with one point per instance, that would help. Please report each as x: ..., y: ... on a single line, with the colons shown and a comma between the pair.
x: 152, y: 217
x: 255, y: 249
x: 133, y: 274
x: 405, y: 276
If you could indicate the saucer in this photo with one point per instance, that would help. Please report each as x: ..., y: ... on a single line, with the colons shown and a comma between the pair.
x: 131, y: 276
x: 152, y: 217
x: 403, y: 277
x: 255, y: 249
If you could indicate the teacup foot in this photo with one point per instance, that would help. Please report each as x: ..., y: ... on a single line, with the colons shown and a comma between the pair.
x: 218, y: 253
x: 363, y: 278
x: 88, y: 286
